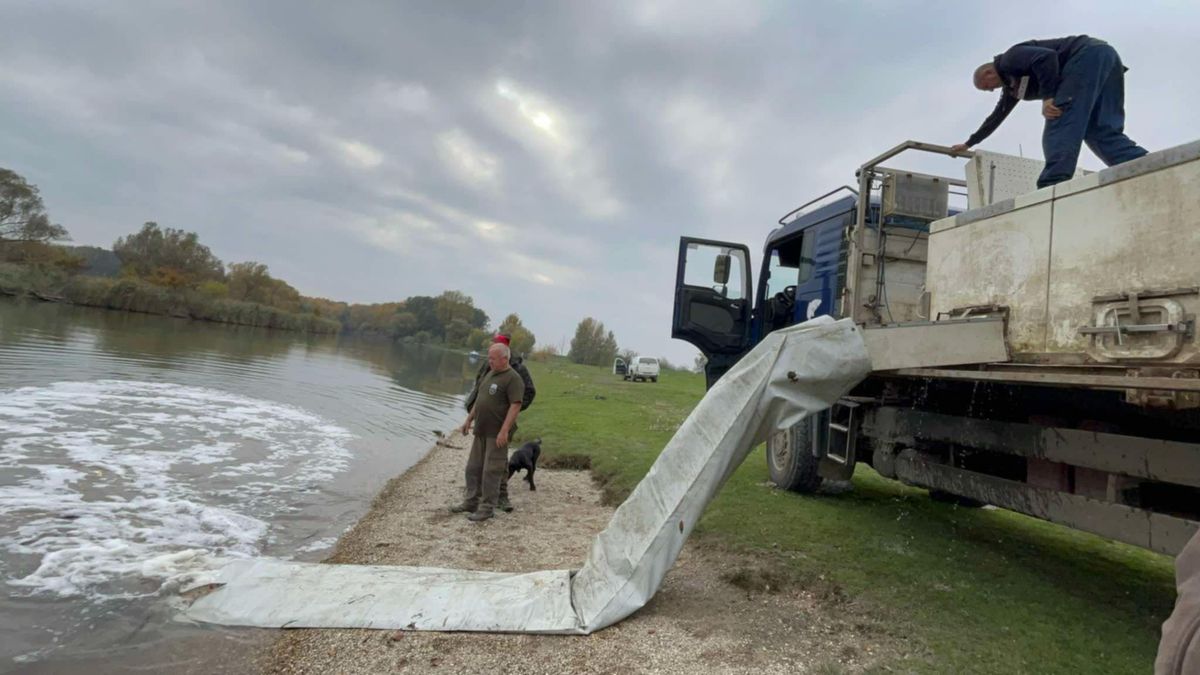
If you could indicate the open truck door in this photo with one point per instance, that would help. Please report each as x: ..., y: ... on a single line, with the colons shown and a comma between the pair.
x: 713, y: 301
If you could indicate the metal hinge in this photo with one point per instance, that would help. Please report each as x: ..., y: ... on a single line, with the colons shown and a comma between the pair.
x: 1185, y: 328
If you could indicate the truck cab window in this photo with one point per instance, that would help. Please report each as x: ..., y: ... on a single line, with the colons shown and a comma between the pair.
x: 699, y: 273
x: 784, y: 270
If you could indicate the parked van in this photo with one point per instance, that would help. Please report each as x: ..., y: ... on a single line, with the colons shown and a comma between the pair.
x: 642, y: 368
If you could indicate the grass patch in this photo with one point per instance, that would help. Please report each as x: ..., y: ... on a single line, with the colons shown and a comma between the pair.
x: 980, y: 591
x: 571, y: 461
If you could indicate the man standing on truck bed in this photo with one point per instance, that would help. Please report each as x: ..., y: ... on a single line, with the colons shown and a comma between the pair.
x: 1081, y: 83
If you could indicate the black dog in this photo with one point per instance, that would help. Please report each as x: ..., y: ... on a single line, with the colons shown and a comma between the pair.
x: 526, y: 458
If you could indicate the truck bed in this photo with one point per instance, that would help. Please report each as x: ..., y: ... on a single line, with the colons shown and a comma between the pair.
x: 1101, y: 269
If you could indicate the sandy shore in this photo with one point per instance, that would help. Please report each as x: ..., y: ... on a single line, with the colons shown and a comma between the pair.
x: 717, y: 612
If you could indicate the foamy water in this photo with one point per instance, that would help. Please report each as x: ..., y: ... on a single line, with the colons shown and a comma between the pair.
x: 138, y: 453
x: 122, y: 486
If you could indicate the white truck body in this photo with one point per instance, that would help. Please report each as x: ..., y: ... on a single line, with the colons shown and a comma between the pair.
x: 1114, y: 249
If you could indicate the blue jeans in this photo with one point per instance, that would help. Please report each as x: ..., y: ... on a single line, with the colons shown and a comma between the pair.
x: 1092, y: 98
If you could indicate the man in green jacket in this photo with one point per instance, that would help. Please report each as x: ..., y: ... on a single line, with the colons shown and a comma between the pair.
x: 517, y: 364
x: 494, y: 415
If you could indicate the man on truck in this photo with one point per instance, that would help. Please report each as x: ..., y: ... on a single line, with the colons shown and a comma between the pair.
x: 1081, y: 83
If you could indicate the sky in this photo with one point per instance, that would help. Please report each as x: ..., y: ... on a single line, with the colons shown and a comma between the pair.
x: 543, y: 158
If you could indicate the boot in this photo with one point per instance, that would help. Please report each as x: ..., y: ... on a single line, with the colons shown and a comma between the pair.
x: 505, y: 505
x: 480, y: 516
x: 464, y: 507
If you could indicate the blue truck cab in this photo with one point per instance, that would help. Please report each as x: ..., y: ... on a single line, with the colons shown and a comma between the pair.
x: 802, y: 276
x: 826, y: 257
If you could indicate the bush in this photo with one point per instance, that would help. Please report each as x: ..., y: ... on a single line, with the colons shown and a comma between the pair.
x: 139, y: 296
x: 544, y: 353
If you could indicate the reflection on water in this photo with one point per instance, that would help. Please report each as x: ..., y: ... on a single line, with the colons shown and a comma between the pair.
x: 138, y: 450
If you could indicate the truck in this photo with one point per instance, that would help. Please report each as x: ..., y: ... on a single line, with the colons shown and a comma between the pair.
x: 1068, y: 313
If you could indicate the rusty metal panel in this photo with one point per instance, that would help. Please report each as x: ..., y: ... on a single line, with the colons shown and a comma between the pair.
x: 1059, y: 379
x: 1155, y: 531
x: 1149, y: 458
x: 931, y: 344
x: 905, y: 253
x: 1134, y: 235
x: 1003, y: 261
x: 1126, y: 233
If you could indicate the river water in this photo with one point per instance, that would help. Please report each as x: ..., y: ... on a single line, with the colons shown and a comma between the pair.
x: 138, y: 452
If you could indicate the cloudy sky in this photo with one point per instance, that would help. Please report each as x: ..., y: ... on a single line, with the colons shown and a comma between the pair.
x: 541, y: 157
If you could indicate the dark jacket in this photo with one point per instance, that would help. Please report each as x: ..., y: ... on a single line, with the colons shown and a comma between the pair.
x: 517, y: 364
x: 1030, y: 71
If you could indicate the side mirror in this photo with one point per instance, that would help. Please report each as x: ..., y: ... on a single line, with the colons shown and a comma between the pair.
x: 721, y: 269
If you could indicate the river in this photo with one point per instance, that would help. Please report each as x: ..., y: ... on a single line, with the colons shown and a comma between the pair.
x: 138, y: 452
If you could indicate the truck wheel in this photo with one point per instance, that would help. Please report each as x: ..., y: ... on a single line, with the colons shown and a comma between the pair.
x: 790, y: 460
x: 654, y: 379
x: 947, y: 498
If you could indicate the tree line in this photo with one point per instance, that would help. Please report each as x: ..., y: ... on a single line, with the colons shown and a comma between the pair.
x: 169, y: 271
x: 162, y: 270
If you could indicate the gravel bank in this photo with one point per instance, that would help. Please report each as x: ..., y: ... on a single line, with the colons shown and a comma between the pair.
x: 718, y: 611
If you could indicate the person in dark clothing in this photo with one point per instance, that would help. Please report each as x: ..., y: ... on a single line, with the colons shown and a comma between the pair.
x: 1081, y: 83
x: 517, y: 364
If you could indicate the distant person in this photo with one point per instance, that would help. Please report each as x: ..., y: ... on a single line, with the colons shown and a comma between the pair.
x: 517, y: 364
x: 1081, y: 83
x: 494, y: 413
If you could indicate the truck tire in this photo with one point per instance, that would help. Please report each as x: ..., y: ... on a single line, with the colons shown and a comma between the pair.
x: 790, y: 461
x: 654, y: 379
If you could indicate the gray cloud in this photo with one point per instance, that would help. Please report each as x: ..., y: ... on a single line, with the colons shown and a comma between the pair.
x: 544, y: 158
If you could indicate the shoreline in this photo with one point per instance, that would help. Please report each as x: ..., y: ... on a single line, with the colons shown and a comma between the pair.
x: 706, y: 615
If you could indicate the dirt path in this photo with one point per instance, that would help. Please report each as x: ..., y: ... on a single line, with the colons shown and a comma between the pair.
x: 717, y: 611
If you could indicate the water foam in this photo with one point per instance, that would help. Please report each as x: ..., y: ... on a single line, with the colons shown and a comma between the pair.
x: 111, y: 488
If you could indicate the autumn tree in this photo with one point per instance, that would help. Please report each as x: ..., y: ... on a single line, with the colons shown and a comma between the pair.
x: 456, y: 315
x: 248, y: 281
x: 423, y: 308
x: 479, y: 339
x: 168, y: 257
x: 22, y: 214
x: 592, y: 344
x: 521, y: 339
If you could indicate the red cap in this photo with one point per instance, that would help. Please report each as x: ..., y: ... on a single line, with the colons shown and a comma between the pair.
x: 502, y: 339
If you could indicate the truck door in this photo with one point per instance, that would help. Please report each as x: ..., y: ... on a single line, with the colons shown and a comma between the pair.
x: 712, y: 301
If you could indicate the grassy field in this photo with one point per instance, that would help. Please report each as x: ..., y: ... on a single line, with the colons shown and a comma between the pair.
x: 974, y: 590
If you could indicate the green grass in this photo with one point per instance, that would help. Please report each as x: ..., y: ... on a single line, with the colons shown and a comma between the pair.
x: 975, y: 591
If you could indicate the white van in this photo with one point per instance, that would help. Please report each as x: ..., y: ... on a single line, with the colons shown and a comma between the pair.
x: 642, y: 368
